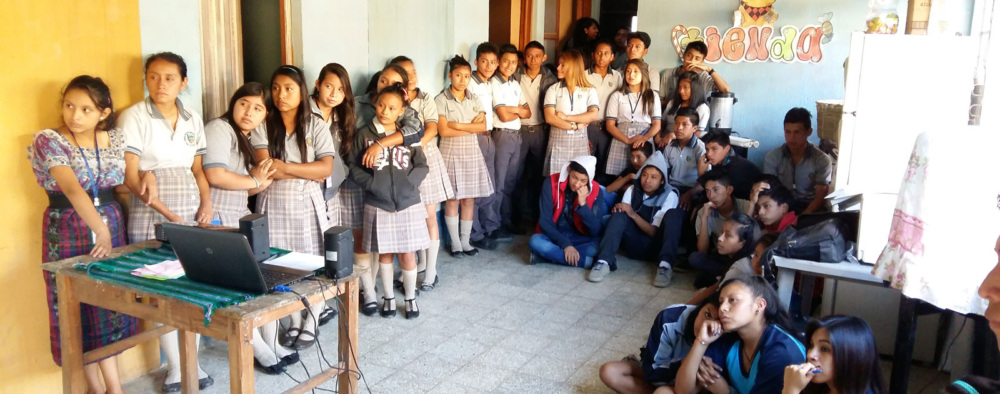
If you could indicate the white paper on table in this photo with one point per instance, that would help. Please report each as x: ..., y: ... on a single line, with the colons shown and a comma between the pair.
x: 299, y: 261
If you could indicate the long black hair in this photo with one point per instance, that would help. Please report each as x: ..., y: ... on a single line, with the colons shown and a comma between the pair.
x: 697, y: 96
x: 689, y: 328
x: 855, y: 358
x: 99, y: 93
x: 774, y: 313
x: 646, y: 94
x: 248, y: 89
x: 749, y: 233
x: 276, y: 131
x: 343, y: 114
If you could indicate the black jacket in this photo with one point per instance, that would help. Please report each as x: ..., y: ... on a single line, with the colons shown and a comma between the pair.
x: 392, y: 183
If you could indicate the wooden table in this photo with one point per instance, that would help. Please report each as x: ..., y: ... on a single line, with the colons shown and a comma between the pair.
x: 234, y: 324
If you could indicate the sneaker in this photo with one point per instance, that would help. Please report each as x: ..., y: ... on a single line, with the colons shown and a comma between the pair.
x: 501, y: 235
x: 664, y: 275
x: 599, y: 271
x: 485, y: 243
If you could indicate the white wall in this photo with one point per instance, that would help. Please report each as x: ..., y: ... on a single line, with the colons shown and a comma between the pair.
x: 334, y: 31
x: 174, y: 26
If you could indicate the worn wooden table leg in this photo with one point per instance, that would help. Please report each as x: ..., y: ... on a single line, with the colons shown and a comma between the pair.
x: 348, y: 340
x: 241, y: 357
x: 71, y: 337
x: 189, y: 361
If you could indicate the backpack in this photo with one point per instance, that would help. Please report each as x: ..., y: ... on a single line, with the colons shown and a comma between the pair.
x: 822, y: 242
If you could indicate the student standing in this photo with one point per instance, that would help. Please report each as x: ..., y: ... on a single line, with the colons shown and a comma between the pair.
x: 573, y: 207
x: 509, y: 107
x: 395, y: 219
x: 708, y: 79
x: 606, y: 81
x: 633, y: 116
x: 436, y: 187
x: 233, y: 174
x: 535, y: 80
x: 569, y: 106
x: 636, y: 48
x: 486, y: 219
x: 302, y: 152
x: 163, y: 170
x: 78, y: 165
x: 460, y: 120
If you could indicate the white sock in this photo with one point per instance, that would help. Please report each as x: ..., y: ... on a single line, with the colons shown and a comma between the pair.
x: 430, y: 274
x: 600, y: 262
x: 311, y: 323
x: 386, y: 275
x: 269, y: 333
x: 451, y: 222
x: 296, y: 320
x: 367, y: 284
x: 374, y: 264
x: 261, y: 351
x: 421, y: 260
x: 171, y: 347
x: 409, y: 284
x: 465, y: 232
x: 664, y: 264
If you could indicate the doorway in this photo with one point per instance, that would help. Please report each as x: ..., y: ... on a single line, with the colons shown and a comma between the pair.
x: 262, y: 38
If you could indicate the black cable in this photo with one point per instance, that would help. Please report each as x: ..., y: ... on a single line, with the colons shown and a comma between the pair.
x: 305, y: 303
x: 354, y: 354
x: 947, y: 353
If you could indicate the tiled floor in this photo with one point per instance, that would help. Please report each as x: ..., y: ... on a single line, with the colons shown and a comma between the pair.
x: 496, y: 324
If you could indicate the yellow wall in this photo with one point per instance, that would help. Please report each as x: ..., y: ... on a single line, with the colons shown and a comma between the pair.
x: 44, y: 44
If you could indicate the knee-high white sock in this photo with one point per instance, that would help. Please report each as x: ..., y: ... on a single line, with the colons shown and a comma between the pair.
x: 386, y: 275
x: 367, y: 284
x: 432, y: 256
x: 465, y: 232
x: 296, y: 320
x: 409, y: 284
x: 375, y: 265
x: 269, y: 333
x: 451, y: 222
x: 170, y: 346
x: 421, y: 260
x: 261, y: 351
x: 311, y: 321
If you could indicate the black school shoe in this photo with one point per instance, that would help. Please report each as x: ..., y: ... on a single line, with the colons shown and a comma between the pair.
x: 456, y: 253
x: 485, y: 243
x: 501, y: 235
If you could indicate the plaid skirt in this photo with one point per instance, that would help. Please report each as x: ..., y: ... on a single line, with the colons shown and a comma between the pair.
x: 351, y: 205
x: 563, y: 147
x: 229, y: 206
x: 436, y: 187
x: 619, y: 152
x: 67, y: 235
x: 466, y: 167
x: 179, y: 193
x: 395, y: 232
x: 296, y: 215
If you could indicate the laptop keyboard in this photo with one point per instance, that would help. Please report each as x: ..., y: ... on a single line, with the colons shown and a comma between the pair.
x: 273, y: 278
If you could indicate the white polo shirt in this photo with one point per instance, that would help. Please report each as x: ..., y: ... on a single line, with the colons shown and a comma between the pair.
x: 605, y: 87
x: 506, y: 94
x: 531, y: 90
x: 630, y: 108
x: 149, y: 135
x: 581, y: 101
x: 484, y: 92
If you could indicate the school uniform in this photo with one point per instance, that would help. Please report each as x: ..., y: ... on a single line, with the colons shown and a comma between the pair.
x: 564, y: 223
x: 436, y: 187
x: 668, y: 82
x: 295, y: 208
x: 666, y: 346
x: 654, y: 77
x: 567, y: 144
x: 742, y: 174
x: 222, y: 151
x: 334, y: 183
x: 463, y: 160
x: 801, y: 179
x: 507, y: 137
x: 630, y: 116
x: 66, y: 235
x: 169, y: 153
x: 487, y: 213
x: 776, y: 350
x: 534, y: 140
x: 713, y: 264
x: 409, y: 124
x: 704, y: 112
x: 597, y: 131
x: 395, y: 219
x: 682, y: 161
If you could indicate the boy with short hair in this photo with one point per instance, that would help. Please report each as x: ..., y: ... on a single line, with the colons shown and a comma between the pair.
x: 606, y: 80
x: 486, y: 219
x: 645, y: 215
x: 509, y: 107
x: 636, y: 47
x: 771, y: 207
x: 694, y: 60
x: 802, y: 168
x: 535, y: 80
x: 719, y: 154
x: 708, y: 224
x: 682, y: 155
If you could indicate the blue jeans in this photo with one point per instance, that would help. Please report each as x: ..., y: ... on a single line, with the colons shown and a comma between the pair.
x: 541, y: 245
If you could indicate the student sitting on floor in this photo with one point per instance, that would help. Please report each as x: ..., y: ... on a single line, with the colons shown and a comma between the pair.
x: 637, y: 159
x: 575, y: 204
x: 719, y: 154
x: 841, y: 358
x: 709, y: 223
x: 670, y: 339
x: 804, y: 169
x: 646, y: 214
x: 772, y: 208
x: 747, y: 349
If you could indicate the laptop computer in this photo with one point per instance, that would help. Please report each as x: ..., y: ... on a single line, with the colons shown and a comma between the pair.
x: 224, y: 258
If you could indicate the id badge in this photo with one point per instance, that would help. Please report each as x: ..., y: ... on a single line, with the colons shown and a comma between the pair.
x: 329, y: 181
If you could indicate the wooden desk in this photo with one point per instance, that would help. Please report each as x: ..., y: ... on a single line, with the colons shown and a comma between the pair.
x: 234, y: 324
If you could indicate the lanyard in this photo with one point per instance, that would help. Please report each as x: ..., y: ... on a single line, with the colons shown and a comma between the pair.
x: 93, y: 179
x: 633, y: 106
x: 571, y: 99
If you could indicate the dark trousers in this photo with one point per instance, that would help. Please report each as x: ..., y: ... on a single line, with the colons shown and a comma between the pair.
x: 534, y: 141
x: 508, y: 167
x: 600, y: 142
x: 621, y: 230
x: 711, y: 266
x: 487, y: 212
